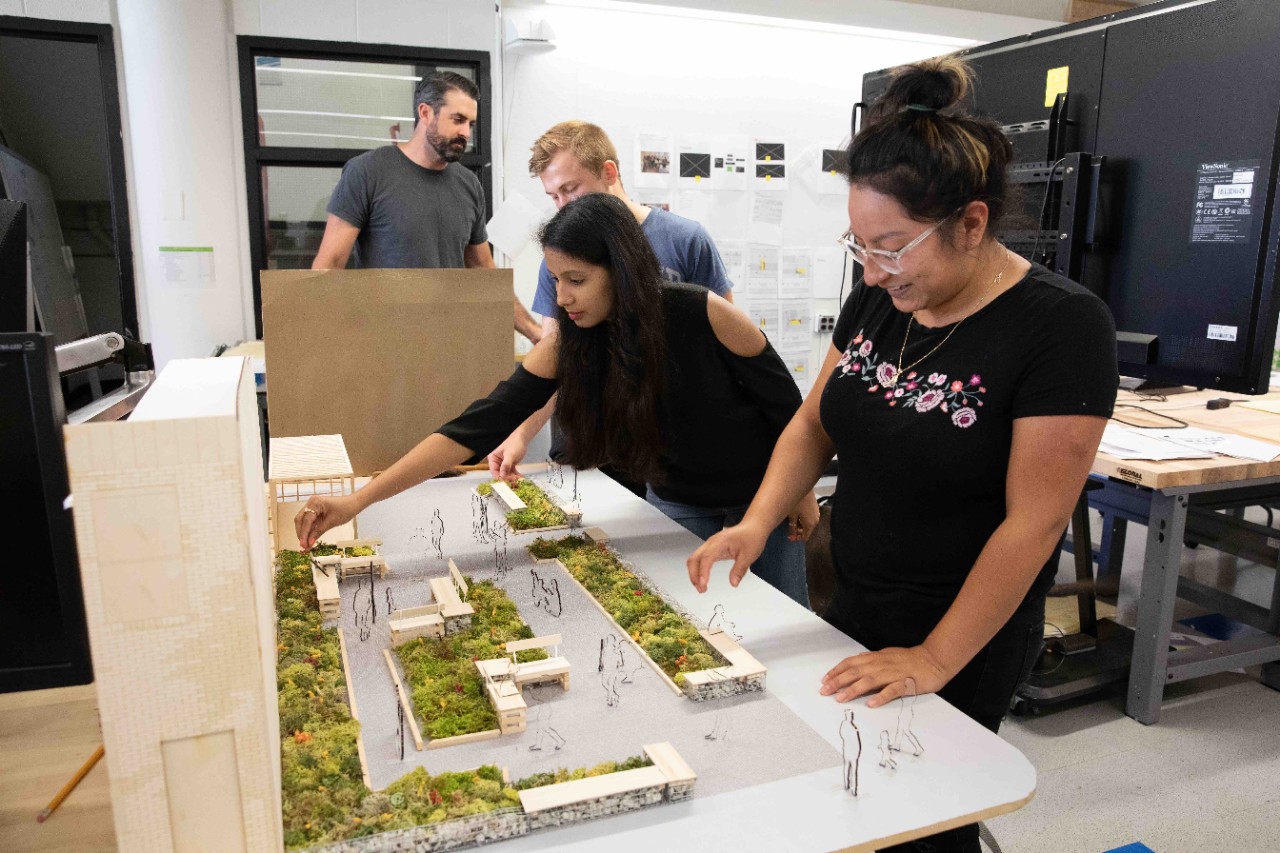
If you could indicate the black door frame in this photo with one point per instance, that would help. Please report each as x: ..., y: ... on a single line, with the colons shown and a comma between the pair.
x: 256, y: 155
x: 102, y: 36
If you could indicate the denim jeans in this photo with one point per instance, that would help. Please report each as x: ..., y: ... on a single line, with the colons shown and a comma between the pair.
x: 781, y: 564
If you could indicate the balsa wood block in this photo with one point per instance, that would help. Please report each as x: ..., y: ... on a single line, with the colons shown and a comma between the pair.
x: 665, y: 758
x: 507, y: 497
x: 514, y: 646
x: 741, y: 663
x: 358, y: 543
x: 596, y: 535
x: 404, y: 701
x: 446, y: 594
x: 459, y: 581
x: 326, y: 591
x: 179, y: 603
x: 537, y: 800
x: 308, y: 457
x: 458, y: 740
x: 538, y: 671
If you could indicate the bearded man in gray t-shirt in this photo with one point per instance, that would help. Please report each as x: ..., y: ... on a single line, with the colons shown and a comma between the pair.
x: 413, y: 205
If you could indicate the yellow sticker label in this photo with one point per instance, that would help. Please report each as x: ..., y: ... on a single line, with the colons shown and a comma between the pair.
x: 762, y: 264
x: 800, y: 270
x: 768, y: 156
x: 1055, y: 83
x: 768, y: 177
x: 697, y: 178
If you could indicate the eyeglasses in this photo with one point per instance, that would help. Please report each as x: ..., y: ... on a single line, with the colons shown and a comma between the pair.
x: 890, y: 262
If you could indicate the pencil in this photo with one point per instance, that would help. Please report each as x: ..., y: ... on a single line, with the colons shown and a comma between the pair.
x: 70, y: 786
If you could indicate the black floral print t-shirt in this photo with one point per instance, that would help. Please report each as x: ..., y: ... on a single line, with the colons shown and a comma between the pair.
x: 923, y: 459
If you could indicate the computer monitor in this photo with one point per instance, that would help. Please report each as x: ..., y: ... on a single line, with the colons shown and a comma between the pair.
x: 1181, y: 101
x: 43, y: 639
x: 13, y: 266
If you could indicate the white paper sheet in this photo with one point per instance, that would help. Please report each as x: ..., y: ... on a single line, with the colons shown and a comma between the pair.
x: 829, y: 266
x: 770, y: 173
x: 514, y: 224
x: 733, y: 253
x: 653, y: 160
x: 731, y: 163
x: 764, y: 313
x: 797, y: 362
x: 765, y: 225
x: 1125, y: 443
x: 796, y: 269
x: 795, y: 324
x: 762, y: 271
x: 1226, y: 444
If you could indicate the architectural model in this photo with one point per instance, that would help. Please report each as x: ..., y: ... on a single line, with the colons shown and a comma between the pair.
x: 299, y: 468
x: 530, y: 509
x: 178, y: 595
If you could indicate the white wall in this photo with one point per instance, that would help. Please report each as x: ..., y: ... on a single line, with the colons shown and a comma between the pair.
x: 650, y: 71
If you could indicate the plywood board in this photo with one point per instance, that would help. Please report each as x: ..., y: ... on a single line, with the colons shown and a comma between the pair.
x: 382, y: 357
x: 202, y: 785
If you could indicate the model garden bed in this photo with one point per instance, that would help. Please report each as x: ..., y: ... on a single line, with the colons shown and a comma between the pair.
x: 445, y: 686
x: 673, y: 645
x: 325, y: 801
x: 540, y: 513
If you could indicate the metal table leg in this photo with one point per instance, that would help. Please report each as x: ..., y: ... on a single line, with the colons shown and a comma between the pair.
x: 1148, y: 674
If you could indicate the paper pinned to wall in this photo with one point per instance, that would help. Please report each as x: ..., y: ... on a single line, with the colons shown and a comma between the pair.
x: 187, y: 266
x: 765, y: 225
x: 770, y: 173
x: 730, y: 163
x: 653, y: 160
x: 762, y: 271
x: 798, y: 364
x: 692, y: 204
x: 693, y: 164
x: 795, y: 324
x: 796, y: 271
x: 764, y: 313
x: 733, y: 253
x: 654, y: 198
x: 514, y: 224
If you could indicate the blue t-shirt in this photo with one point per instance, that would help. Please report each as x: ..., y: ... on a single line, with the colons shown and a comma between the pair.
x: 685, y: 253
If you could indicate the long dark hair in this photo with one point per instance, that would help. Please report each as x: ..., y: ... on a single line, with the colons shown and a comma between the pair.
x: 921, y: 148
x: 611, y: 374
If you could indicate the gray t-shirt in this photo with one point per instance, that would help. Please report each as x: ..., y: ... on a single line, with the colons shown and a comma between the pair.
x: 409, y: 217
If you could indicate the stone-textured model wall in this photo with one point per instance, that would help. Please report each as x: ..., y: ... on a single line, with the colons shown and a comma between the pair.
x: 723, y: 688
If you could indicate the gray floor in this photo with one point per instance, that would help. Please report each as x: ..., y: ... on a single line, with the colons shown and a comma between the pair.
x: 1206, y: 777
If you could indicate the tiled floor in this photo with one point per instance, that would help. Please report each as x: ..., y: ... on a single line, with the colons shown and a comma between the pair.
x: 1206, y: 777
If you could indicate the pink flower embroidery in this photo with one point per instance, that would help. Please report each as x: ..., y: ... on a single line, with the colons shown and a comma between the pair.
x: 937, y: 379
x: 856, y: 368
x: 975, y: 379
x: 873, y: 389
x: 957, y: 385
x: 928, y: 400
x: 964, y: 418
x: 912, y: 375
x: 897, y: 392
x: 858, y: 339
x: 865, y: 349
x: 888, y: 395
x: 886, y: 372
x: 911, y: 386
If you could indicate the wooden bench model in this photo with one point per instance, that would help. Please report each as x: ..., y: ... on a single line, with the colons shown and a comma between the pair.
x: 414, y: 622
x: 553, y: 668
x: 742, y: 666
x: 326, y: 592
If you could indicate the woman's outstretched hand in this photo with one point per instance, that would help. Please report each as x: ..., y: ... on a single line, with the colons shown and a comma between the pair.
x: 742, y: 543
x: 322, y: 514
x: 889, y: 673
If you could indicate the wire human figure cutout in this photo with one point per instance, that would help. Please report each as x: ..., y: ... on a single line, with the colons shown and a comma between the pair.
x: 555, y: 473
x: 480, y: 519
x: 903, y: 729
x: 886, y: 751
x: 547, y: 595
x: 719, y: 727
x: 720, y: 622
x: 400, y: 728
x: 850, y: 750
x: 437, y: 534
x: 366, y: 613
x: 613, y: 669
x: 543, y: 732
x: 501, y: 562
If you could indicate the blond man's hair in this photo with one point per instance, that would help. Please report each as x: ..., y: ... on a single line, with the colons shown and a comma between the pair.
x: 588, y: 142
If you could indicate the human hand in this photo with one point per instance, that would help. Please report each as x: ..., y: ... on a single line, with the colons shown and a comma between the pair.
x: 803, y: 520
x: 321, y: 514
x: 503, y: 460
x: 743, y: 543
x: 894, y: 672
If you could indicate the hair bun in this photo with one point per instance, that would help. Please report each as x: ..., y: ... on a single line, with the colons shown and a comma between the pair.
x: 927, y: 86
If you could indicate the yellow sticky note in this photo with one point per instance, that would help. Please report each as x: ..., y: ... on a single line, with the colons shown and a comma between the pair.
x: 799, y: 270
x: 697, y: 178
x: 833, y: 172
x: 762, y: 264
x: 1055, y: 83
x: 768, y: 156
x: 768, y: 177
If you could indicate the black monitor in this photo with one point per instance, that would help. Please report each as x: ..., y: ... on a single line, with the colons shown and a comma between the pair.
x: 1179, y: 106
x: 13, y: 266
x: 43, y: 638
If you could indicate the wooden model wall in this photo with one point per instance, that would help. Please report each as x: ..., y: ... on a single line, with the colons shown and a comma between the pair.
x: 178, y: 594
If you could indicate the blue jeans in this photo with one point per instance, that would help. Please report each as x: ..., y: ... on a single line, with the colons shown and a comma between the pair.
x: 781, y: 563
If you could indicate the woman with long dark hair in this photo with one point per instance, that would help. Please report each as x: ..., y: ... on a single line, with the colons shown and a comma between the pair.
x: 965, y: 393
x: 668, y: 383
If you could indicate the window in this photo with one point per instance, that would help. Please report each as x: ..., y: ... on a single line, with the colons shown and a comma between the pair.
x: 308, y: 107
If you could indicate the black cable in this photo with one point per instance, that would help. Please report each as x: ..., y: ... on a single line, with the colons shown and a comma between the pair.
x: 1044, y: 205
x: 1181, y: 424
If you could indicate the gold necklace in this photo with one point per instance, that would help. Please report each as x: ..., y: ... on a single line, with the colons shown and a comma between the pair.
x: 995, y: 283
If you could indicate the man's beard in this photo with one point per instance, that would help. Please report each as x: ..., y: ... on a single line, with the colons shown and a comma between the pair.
x: 446, y: 148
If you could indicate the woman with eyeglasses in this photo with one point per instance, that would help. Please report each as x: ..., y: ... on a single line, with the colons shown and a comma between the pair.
x: 667, y: 382
x: 965, y: 394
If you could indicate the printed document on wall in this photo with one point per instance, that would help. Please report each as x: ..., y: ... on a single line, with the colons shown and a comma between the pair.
x: 653, y: 156
x: 693, y: 164
x: 795, y: 324
x: 762, y: 271
x: 798, y: 364
x: 733, y: 253
x: 731, y: 163
x: 830, y: 268
x: 796, y: 268
x: 770, y: 164
x: 764, y: 313
x: 765, y: 225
